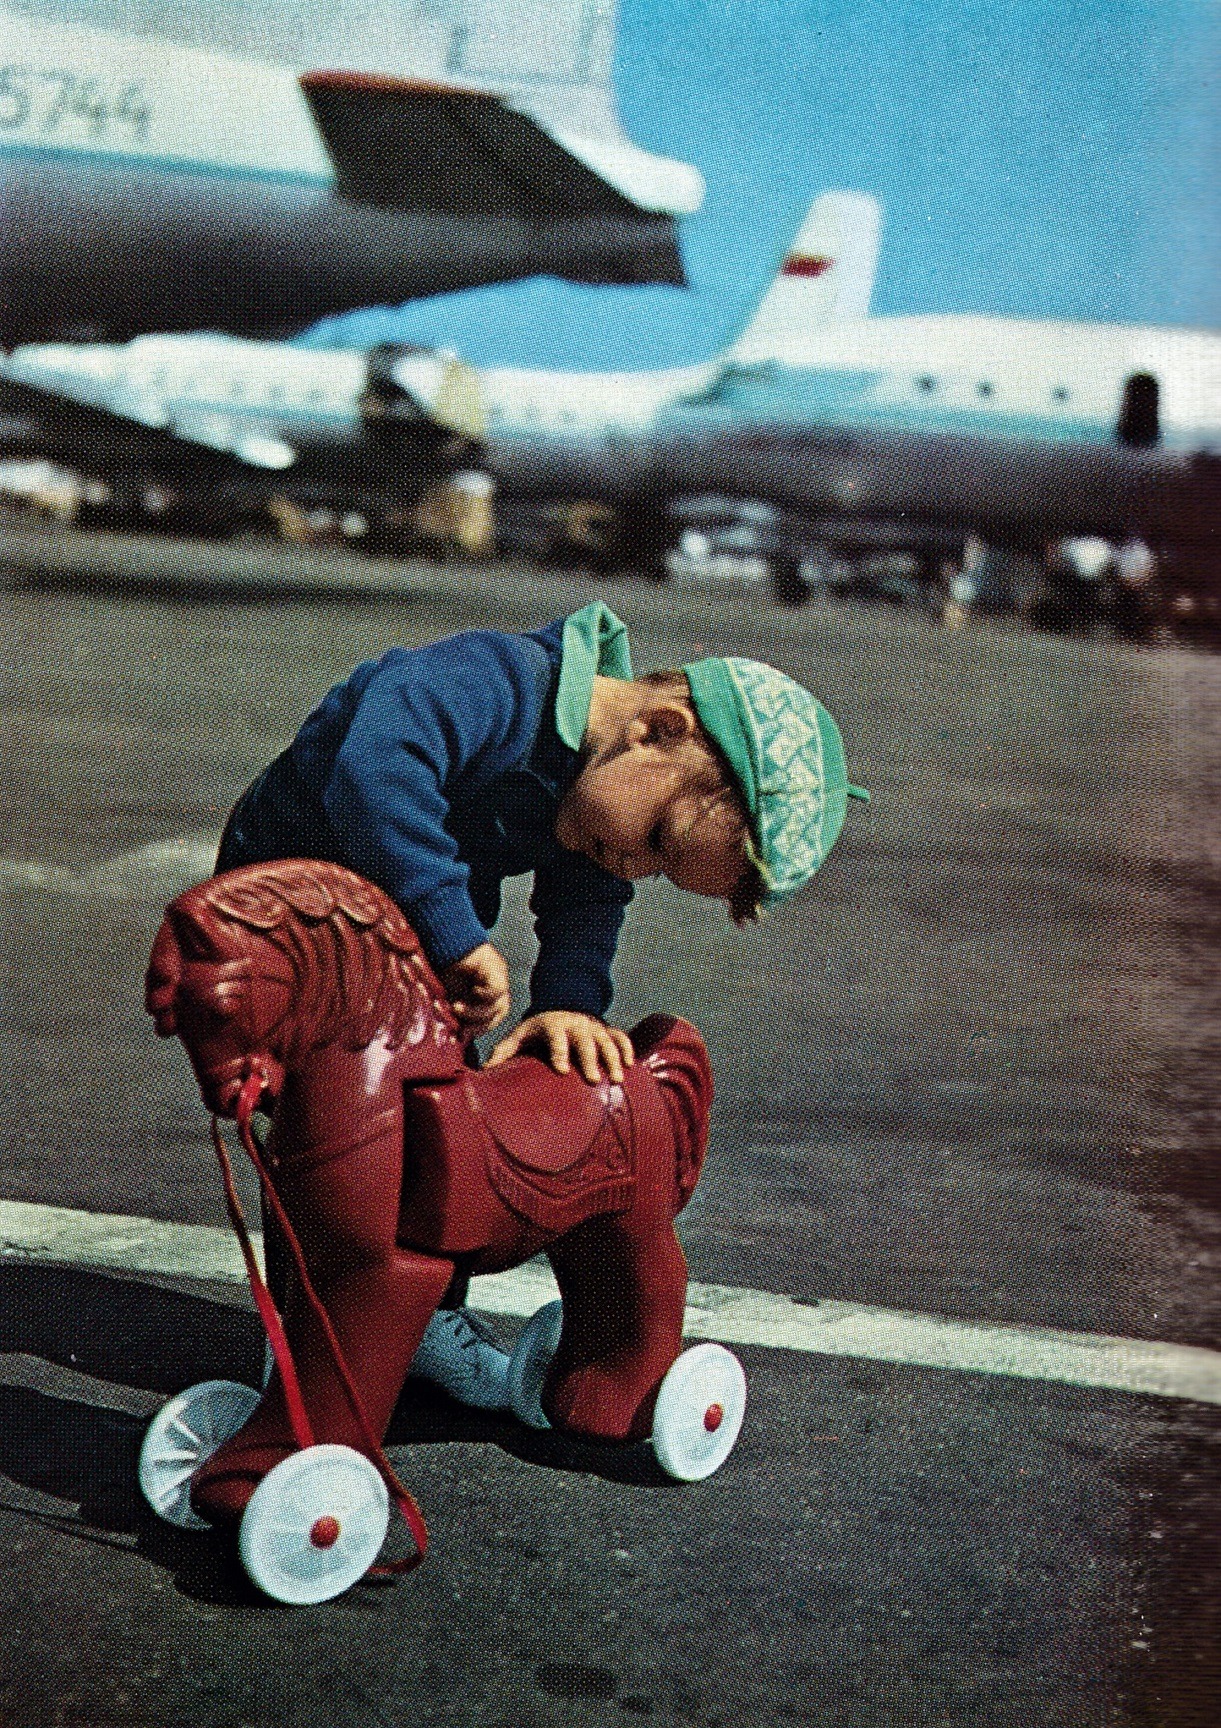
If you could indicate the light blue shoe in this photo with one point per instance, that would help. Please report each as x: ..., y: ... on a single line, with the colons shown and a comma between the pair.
x: 458, y: 1354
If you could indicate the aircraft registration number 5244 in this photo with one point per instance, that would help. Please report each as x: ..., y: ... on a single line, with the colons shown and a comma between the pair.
x: 45, y: 102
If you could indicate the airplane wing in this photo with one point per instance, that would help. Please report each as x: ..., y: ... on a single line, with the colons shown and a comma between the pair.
x: 151, y: 382
x: 98, y: 408
x: 404, y: 142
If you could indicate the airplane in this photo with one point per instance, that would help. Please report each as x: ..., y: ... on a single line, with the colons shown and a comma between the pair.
x: 887, y: 431
x: 257, y: 417
x: 151, y: 181
x: 223, y: 423
x: 866, y: 428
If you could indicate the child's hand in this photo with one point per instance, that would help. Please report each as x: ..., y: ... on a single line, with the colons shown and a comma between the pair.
x: 478, y: 988
x: 561, y: 1034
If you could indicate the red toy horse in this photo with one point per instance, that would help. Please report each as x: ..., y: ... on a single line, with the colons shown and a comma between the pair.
x: 299, y: 988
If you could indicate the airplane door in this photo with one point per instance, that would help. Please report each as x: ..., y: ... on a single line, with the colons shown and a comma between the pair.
x: 1139, y: 415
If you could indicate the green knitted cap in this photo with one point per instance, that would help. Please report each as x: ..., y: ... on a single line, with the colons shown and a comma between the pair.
x: 788, y: 759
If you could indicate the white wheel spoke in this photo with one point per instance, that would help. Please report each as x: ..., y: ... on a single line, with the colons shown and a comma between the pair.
x: 325, y: 1481
x: 188, y: 1430
x: 181, y: 1455
x: 699, y: 1412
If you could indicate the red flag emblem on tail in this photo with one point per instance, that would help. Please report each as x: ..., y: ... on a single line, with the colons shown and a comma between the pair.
x: 797, y: 265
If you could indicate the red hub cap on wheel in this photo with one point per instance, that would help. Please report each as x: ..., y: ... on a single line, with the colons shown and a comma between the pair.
x: 714, y: 1415
x: 324, y: 1532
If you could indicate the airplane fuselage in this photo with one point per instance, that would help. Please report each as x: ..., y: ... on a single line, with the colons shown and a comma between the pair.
x: 1006, y: 427
x: 1000, y: 377
x: 891, y: 433
x: 151, y: 186
x: 238, y: 418
x: 1020, y: 491
x: 123, y: 250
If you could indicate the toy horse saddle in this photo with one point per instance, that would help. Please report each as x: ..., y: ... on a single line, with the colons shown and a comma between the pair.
x: 553, y: 1154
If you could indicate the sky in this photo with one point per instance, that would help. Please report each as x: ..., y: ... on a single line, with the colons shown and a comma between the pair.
x: 1034, y: 158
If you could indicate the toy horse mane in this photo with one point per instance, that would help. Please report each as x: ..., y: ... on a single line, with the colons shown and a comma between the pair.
x: 302, y: 954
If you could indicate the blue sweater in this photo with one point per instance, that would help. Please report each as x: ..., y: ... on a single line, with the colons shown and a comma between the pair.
x: 436, y: 772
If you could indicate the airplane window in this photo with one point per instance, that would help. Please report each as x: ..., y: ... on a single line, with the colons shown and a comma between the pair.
x: 1061, y: 393
x: 985, y: 389
x: 926, y: 384
x: 275, y: 393
x: 317, y: 396
x: 235, y: 389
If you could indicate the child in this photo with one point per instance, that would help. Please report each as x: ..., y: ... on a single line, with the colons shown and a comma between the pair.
x: 438, y: 771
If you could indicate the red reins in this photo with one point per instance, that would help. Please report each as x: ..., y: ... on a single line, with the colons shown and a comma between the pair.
x: 298, y: 1416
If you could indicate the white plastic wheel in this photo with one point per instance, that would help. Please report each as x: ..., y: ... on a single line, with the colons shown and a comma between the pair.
x: 699, y: 1412
x: 529, y: 1363
x: 182, y: 1436
x: 314, y: 1524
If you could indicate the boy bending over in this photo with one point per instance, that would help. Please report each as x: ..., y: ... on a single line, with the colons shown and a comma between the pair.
x: 438, y: 771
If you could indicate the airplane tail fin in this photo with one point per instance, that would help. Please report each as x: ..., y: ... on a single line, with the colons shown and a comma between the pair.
x: 826, y: 277
x: 549, y: 65
x: 553, y: 61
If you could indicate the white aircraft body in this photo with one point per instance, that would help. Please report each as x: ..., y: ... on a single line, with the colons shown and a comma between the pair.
x: 552, y: 62
x: 1018, y: 430
x: 266, y: 402
x: 998, y: 377
x: 811, y: 355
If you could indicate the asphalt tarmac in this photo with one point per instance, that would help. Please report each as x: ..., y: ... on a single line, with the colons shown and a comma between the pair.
x: 970, y: 1072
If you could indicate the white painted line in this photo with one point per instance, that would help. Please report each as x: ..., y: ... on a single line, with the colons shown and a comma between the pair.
x: 166, y: 866
x: 59, y: 1236
x: 63, y: 1237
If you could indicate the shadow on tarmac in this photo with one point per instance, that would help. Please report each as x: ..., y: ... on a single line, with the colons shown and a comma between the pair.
x: 247, y: 589
x: 80, y: 1454
x: 125, y: 1331
x: 148, y: 1337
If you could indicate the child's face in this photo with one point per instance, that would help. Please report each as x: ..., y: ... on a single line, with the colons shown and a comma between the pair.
x: 647, y: 812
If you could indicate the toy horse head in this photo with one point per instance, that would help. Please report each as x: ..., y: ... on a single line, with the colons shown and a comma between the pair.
x: 257, y: 969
